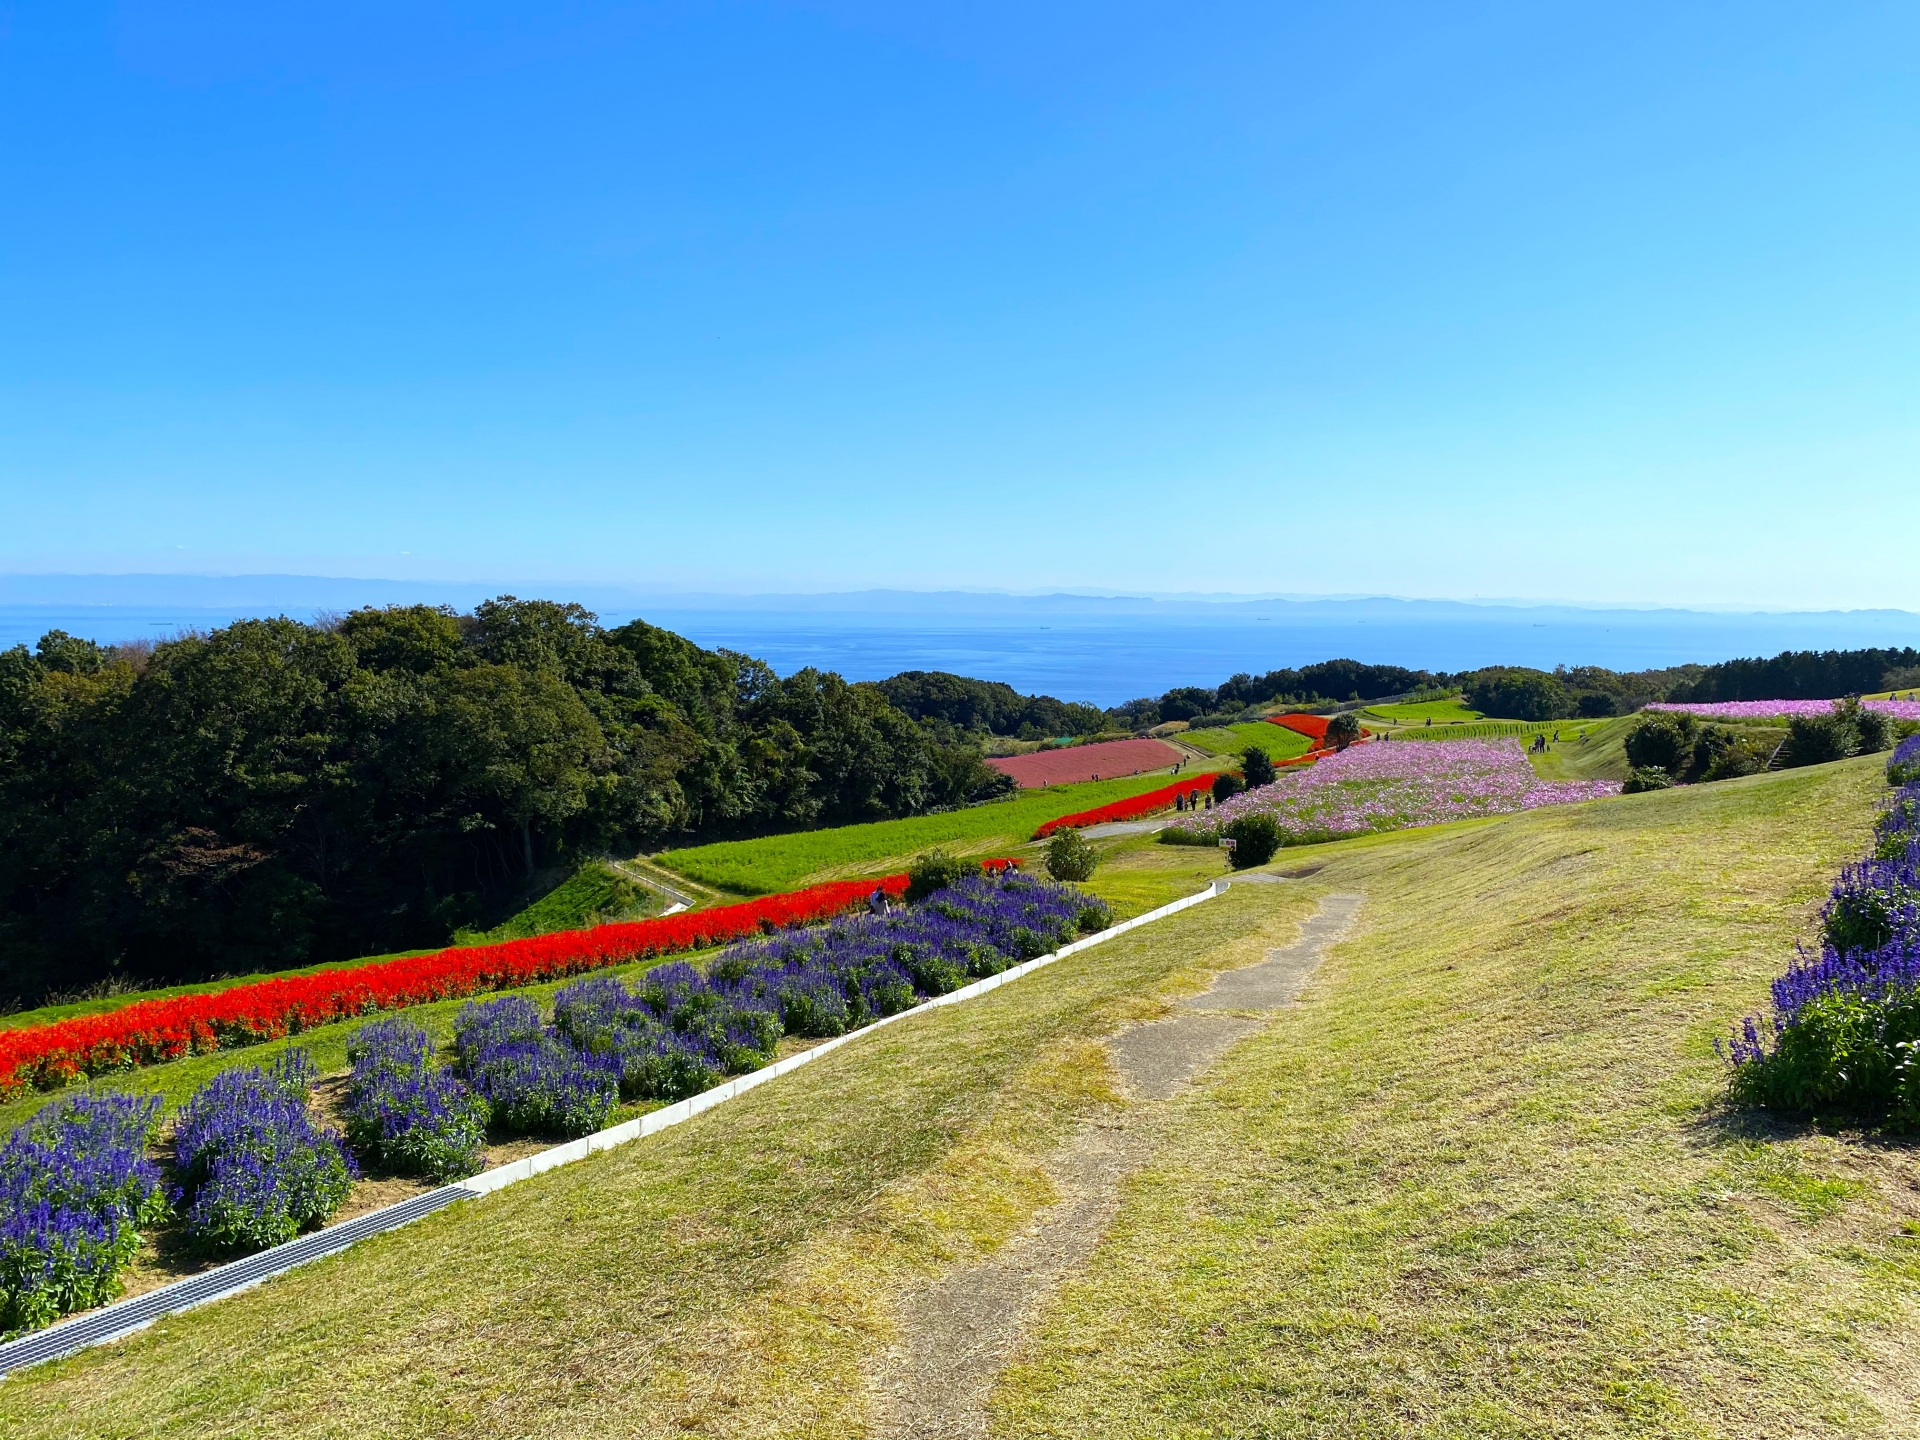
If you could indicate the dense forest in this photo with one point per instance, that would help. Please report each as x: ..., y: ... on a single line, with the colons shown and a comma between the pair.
x: 953, y: 703
x: 278, y: 793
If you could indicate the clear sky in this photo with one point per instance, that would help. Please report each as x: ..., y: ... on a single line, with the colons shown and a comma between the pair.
x: 1596, y: 302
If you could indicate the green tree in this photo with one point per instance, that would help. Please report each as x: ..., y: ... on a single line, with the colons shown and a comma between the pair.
x: 1518, y: 694
x: 1257, y: 767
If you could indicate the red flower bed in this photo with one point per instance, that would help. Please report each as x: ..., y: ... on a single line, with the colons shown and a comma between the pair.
x: 1130, y: 808
x: 1314, y: 727
x: 150, y: 1031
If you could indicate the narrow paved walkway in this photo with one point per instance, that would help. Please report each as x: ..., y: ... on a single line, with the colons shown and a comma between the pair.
x: 958, y: 1333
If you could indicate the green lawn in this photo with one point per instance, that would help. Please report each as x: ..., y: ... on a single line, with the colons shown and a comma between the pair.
x: 1279, y: 742
x: 595, y: 894
x: 1493, y: 729
x: 1438, y: 711
x: 1478, y: 1183
x: 776, y: 863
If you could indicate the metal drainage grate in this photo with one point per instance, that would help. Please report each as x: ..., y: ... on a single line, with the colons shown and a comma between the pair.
x: 125, y: 1316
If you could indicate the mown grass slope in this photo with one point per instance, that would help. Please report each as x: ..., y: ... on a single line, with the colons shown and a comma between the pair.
x: 1279, y: 742
x: 1477, y: 1183
x: 1419, y: 711
x: 775, y: 863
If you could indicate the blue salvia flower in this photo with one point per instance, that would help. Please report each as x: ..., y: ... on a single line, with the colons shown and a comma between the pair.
x: 75, y: 1188
x: 406, y: 1114
x: 254, y: 1167
x: 483, y: 1024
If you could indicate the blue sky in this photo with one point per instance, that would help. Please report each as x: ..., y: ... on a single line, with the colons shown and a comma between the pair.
x: 1566, y: 301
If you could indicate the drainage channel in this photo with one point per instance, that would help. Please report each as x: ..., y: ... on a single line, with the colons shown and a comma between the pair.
x: 123, y: 1317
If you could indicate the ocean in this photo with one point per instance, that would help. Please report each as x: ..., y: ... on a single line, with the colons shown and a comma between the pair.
x: 1078, y: 648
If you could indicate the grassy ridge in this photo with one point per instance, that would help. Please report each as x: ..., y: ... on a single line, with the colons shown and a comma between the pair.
x: 1476, y: 1184
x: 1439, y: 711
x: 1480, y: 1183
x: 595, y: 894
x: 775, y: 863
x: 1279, y: 742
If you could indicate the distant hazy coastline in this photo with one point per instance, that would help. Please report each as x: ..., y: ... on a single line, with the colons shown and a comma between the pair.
x: 1099, y: 649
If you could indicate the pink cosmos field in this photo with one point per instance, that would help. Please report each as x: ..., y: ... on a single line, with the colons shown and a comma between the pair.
x: 1397, y: 787
x: 1786, y: 709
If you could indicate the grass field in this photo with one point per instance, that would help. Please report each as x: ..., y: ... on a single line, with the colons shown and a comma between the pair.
x: 775, y: 863
x: 1279, y: 742
x: 595, y: 894
x: 1477, y: 1183
x: 1493, y: 729
x: 1438, y: 711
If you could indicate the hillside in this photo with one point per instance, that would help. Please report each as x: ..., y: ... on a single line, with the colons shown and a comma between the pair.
x: 1476, y: 1183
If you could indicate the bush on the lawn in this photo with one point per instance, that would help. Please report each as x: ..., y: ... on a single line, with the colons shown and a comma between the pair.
x: 404, y: 1112
x: 254, y: 1167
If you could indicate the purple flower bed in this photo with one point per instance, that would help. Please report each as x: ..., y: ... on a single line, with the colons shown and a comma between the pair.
x: 405, y: 1113
x: 76, y: 1188
x: 533, y: 1081
x: 679, y: 1031
x: 1784, y: 709
x: 1845, y: 1027
x: 254, y: 1168
x: 1396, y: 787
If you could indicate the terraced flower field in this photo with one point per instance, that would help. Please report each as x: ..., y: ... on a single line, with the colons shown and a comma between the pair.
x: 1378, y: 787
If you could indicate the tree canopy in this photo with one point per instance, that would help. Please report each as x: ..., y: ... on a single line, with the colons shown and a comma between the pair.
x: 277, y: 793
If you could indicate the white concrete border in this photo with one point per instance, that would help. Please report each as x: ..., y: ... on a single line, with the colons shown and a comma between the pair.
x: 124, y: 1317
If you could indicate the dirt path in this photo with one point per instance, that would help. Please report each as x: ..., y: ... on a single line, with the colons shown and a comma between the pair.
x: 958, y: 1333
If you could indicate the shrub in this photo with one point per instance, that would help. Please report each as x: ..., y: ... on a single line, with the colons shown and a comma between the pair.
x: 406, y: 1114
x: 1723, y: 754
x: 1224, y: 784
x: 936, y: 870
x: 1845, y: 1050
x: 1874, y: 727
x: 1819, y: 739
x: 1181, y: 835
x: 1071, y: 856
x: 1643, y: 778
x: 1846, y: 1025
x: 1256, y: 838
x: 1663, y: 740
x: 254, y: 1168
x: 1898, y: 828
x: 544, y: 1087
x: 1874, y: 903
